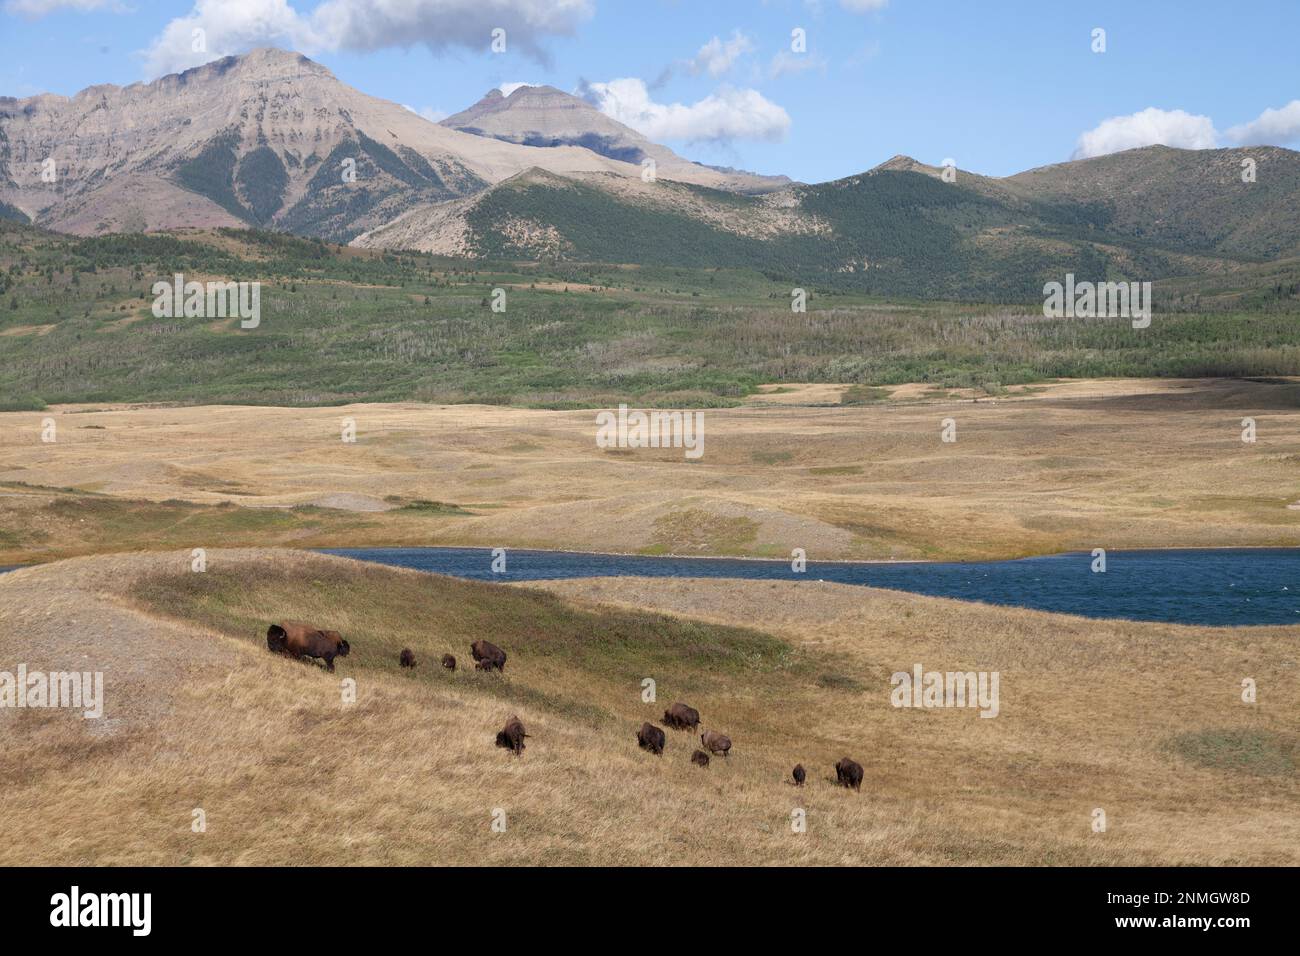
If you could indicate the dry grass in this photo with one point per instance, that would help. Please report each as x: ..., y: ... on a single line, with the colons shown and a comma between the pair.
x: 1143, y: 720
x: 1071, y: 466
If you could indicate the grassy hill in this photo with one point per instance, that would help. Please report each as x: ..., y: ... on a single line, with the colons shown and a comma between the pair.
x: 199, y: 715
x: 900, y: 230
x: 1187, y: 200
x: 343, y: 325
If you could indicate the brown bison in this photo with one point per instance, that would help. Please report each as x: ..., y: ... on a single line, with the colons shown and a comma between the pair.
x: 406, y: 658
x: 848, y: 773
x: 682, y: 717
x: 715, y: 742
x: 488, y: 656
x: 449, y: 662
x: 798, y: 774
x: 300, y: 640
x: 512, y: 737
x: 650, y: 738
x: 700, y: 758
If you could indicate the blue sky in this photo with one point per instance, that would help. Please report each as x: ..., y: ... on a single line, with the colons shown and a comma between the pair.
x: 996, y: 86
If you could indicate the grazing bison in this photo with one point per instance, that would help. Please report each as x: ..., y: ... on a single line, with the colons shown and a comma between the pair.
x: 682, y: 717
x: 799, y: 775
x: 650, y: 738
x: 715, y: 742
x: 848, y: 773
x: 406, y: 658
x: 512, y: 737
x: 488, y: 656
x: 700, y: 758
x: 449, y: 662
x: 300, y: 640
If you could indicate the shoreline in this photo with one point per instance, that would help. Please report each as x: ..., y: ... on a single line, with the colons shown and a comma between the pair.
x: 866, y: 562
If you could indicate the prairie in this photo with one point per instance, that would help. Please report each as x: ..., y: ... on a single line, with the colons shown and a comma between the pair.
x: 1059, y: 466
x: 1144, y: 722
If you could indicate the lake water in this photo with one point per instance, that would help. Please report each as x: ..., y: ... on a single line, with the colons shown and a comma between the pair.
x: 1217, y: 587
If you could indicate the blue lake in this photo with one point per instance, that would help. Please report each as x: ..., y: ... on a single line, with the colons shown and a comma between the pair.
x: 1217, y: 587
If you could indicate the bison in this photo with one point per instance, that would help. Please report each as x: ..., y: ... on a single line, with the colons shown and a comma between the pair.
x: 682, y: 717
x: 406, y: 658
x: 715, y: 742
x: 798, y: 774
x: 512, y: 737
x: 848, y: 773
x: 650, y: 738
x: 449, y: 662
x: 700, y: 758
x: 488, y: 656
x: 300, y: 640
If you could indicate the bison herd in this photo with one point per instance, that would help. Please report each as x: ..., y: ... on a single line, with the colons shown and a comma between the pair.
x: 848, y: 773
x: 298, y: 640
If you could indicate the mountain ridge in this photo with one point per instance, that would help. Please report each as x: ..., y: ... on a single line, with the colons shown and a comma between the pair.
x: 546, y: 116
x: 275, y: 141
x: 119, y: 151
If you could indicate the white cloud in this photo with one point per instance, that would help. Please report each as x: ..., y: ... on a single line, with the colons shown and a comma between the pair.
x: 717, y: 56
x: 508, y: 88
x: 788, y: 63
x: 35, y: 9
x: 1271, y: 127
x: 725, y: 115
x: 428, y: 112
x: 227, y: 26
x: 1149, y: 127
x: 235, y: 26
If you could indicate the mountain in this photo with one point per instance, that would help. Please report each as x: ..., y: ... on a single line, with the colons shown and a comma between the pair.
x: 1188, y: 199
x: 898, y: 229
x: 265, y: 140
x: 545, y: 116
x: 262, y: 139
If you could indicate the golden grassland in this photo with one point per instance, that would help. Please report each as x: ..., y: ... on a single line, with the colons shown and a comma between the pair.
x: 1142, y: 720
x: 1061, y: 466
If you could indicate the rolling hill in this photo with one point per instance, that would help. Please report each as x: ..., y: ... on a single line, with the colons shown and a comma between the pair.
x: 896, y: 230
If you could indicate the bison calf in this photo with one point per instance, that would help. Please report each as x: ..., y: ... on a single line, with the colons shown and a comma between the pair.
x: 682, y: 717
x: 650, y: 738
x: 449, y: 662
x: 798, y: 774
x: 512, y: 737
x: 715, y: 742
x: 406, y: 658
x: 488, y: 656
x: 848, y: 773
x: 700, y: 758
x: 300, y: 640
